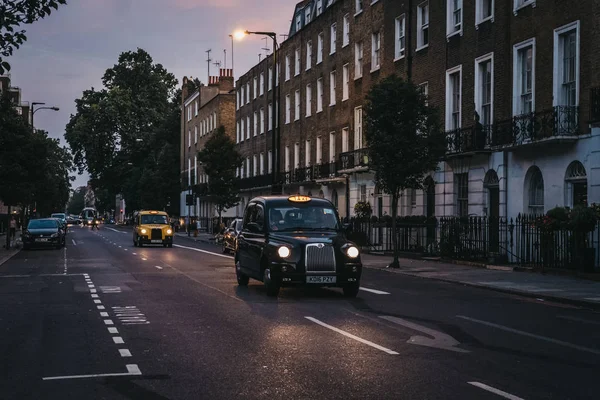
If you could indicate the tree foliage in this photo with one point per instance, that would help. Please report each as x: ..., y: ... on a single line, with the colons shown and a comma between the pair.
x: 126, y: 135
x: 13, y: 15
x: 77, y: 201
x: 220, y: 159
x: 404, y: 139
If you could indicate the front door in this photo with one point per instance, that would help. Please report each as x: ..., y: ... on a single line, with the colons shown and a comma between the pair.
x: 494, y: 218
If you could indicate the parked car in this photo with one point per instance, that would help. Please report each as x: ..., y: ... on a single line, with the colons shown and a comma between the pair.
x: 230, y: 236
x: 61, y: 216
x: 45, y: 232
x: 296, y: 240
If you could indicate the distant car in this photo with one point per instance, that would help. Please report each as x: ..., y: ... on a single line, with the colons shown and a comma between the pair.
x: 45, y: 232
x: 71, y: 220
x: 61, y: 216
x: 296, y: 240
x: 230, y: 236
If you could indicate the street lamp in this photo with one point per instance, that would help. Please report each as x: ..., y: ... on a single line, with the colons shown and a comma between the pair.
x: 276, y: 143
x: 33, y: 111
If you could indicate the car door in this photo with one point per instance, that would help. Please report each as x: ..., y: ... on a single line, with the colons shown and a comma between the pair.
x: 256, y: 240
x: 243, y: 252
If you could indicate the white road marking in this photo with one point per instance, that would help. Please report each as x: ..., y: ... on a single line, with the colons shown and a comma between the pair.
x: 126, y: 249
x: 112, y: 330
x: 124, y: 353
x: 91, y: 286
x: 97, y: 301
x: 104, y: 314
x: 531, y: 335
x: 118, y: 340
x: 373, y: 290
x: 86, y: 275
x: 495, y: 391
x: 203, y: 251
x: 65, y: 256
x: 108, y: 322
x: 132, y: 369
x: 100, y: 307
x: 351, y: 336
x: 156, y: 266
x: 120, y: 247
x: 145, y: 259
x: 74, y: 242
x: 94, y: 296
x: 111, y: 229
x: 93, y: 290
x: 586, y: 321
x: 110, y: 289
x: 593, y: 298
x: 440, y: 340
x: 135, y: 254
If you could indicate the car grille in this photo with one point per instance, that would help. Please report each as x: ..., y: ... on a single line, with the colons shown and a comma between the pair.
x: 156, y: 234
x: 320, y: 258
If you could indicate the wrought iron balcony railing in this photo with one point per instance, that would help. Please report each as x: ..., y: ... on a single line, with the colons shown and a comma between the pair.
x: 354, y: 159
x: 594, y: 105
x: 256, y: 181
x: 465, y: 140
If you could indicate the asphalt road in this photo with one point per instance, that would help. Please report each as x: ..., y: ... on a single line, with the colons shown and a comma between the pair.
x: 102, y: 319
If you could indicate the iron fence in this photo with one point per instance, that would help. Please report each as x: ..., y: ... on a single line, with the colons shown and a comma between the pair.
x: 353, y: 159
x: 595, y: 105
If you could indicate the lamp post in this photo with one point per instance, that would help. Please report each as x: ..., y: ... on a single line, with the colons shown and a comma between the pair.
x: 276, y: 140
x: 34, y: 110
x: 232, y: 70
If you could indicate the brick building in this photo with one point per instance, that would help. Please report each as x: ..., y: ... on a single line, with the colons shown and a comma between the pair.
x: 203, y: 111
x: 523, y: 68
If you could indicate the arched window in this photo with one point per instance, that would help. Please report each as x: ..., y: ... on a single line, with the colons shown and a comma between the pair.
x: 576, y: 185
x: 535, y: 191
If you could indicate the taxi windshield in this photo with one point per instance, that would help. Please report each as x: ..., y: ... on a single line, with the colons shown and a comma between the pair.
x: 154, y: 219
x: 292, y: 218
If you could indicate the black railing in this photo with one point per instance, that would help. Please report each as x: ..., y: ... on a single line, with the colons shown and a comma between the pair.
x: 324, y: 171
x: 595, y: 105
x: 354, y: 159
x: 256, y: 181
x: 464, y: 140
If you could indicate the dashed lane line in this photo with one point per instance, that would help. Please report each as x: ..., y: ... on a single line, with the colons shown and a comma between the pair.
x: 132, y: 370
x: 495, y: 391
x: 125, y: 353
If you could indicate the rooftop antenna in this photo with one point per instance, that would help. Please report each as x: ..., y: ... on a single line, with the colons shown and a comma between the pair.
x: 208, y: 60
x: 284, y: 36
x: 266, y: 48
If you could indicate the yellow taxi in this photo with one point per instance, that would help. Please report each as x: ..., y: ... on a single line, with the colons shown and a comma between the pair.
x: 152, y: 227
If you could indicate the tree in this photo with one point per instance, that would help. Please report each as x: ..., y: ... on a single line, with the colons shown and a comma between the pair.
x: 14, y: 14
x: 220, y: 159
x: 404, y: 139
x: 77, y: 201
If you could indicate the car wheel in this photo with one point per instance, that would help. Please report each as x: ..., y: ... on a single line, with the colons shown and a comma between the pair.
x: 351, y: 289
x: 134, y: 243
x: 224, y: 249
x: 140, y: 244
x: 242, y: 279
x: 271, y: 286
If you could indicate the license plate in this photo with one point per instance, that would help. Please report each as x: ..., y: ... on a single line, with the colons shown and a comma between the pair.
x: 41, y: 240
x: 320, y: 279
x: 156, y: 241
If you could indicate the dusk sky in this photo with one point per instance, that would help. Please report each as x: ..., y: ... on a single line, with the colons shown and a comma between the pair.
x: 68, y: 52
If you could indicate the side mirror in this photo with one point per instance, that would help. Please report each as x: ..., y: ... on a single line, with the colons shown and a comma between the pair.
x: 254, y: 227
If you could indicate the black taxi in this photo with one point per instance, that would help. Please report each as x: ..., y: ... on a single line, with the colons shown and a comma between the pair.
x: 296, y: 240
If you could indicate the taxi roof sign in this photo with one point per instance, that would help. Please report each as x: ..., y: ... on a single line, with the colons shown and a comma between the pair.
x: 299, y: 199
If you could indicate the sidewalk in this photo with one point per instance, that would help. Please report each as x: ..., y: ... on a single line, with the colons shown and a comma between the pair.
x: 6, y: 255
x: 548, y: 287
x: 202, y: 237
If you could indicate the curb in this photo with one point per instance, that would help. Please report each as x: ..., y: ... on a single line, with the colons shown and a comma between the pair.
x: 563, y: 300
x: 5, y: 258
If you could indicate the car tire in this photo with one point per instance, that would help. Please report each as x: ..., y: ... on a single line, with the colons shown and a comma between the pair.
x: 351, y: 289
x: 242, y: 279
x: 224, y: 249
x: 134, y: 243
x: 139, y: 240
x: 271, y: 286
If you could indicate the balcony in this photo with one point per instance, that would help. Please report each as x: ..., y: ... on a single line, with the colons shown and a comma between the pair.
x: 559, y: 124
x: 468, y: 141
x: 595, y: 105
x: 256, y: 182
x: 354, y: 161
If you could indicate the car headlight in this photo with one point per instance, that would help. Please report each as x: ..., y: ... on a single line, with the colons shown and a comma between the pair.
x: 352, y: 252
x: 144, y: 231
x: 54, y: 235
x: 284, y: 252
x: 169, y: 231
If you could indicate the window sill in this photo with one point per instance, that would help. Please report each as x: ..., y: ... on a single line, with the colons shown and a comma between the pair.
x: 399, y: 58
x: 319, y: 62
x: 451, y: 34
x: 345, y: 45
x: 376, y: 69
x: 422, y: 47
x: 331, y: 54
x: 307, y: 69
x: 358, y: 77
x: 332, y: 105
x: 524, y: 5
x: 490, y: 18
x: 319, y: 111
x: 346, y: 99
x: 356, y: 14
x: 308, y: 116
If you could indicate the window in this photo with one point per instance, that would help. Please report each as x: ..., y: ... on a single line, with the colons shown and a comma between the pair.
x: 189, y: 171
x: 270, y: 78
x: 358, y: 131
x: 296, y: 155
x: 247, y: 167
x: 262, y: 163
x: 297, y: 105
x: 195, y: 134
x: 298, y: 22
x: 270, y: 161
x: 308, y: 55
x: 413, y: 198
x: 358, y: 60
x: 422, y: 25
x: 255, y: 124
x: 400, y: 42
x: 424, y: 89
x: 363, y: 193
x: 248, y: 127
x: 297, y: 62
x: 332, y: 147
x: 237, y: 133
x: 277, y: 73
x: 332, y: 88
x: 189, y: 138
x: 319, y: 7
x: 287, y: 68
x: 308, y: 111
x: 576, y: 189
x: 346, y: 31
x: 270, y: 116
x: 288, y: 109
x: 453, y: 98
x: 461, y: 185
x: 320, y: 39
x: 319, y: 94
x: 358, y: 6
x: 196, y: 108
x: 287, y: 158
x: 307, y: 15
x: 262, y: 120
x: 522, y: 3
x: 345, y: 140
x: 484, y: 10
x: 248, y: 93
x: 454, y: 14
x: 333, y: 38
x: 524, y: 77
x: 254, y: 165
x: 262, y: 84
x: 307, y: 153
x: 536, y: 191
x: 484, y: 88
x: 346, y: 82
x: 237, y: 103
x: 254, y: 87
x: 375, y: 51
x: 566, y: 65
x: 319, y: 148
